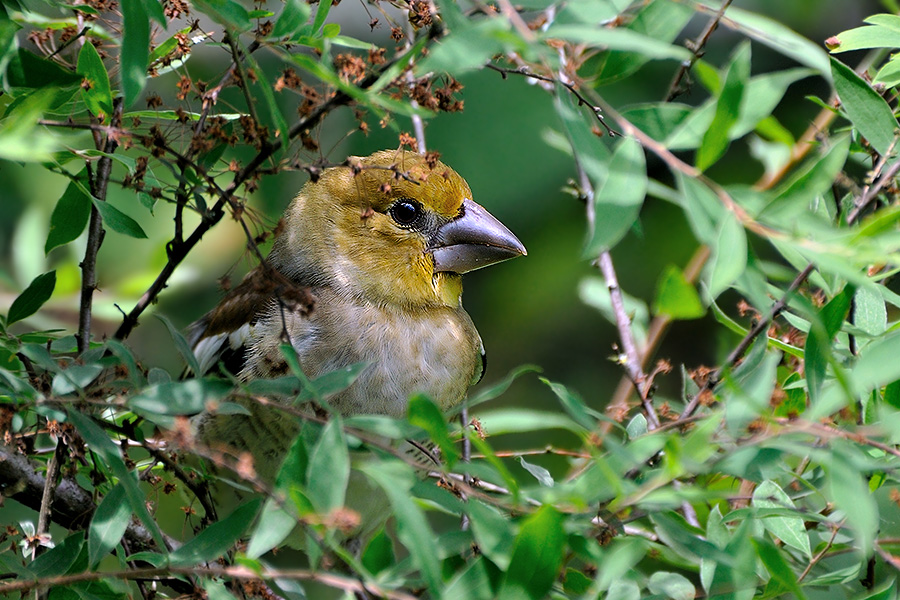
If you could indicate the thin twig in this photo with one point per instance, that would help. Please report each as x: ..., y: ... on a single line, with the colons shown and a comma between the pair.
x: 178, y: 252
x: 820, y: 555
x: 233, y: 572
x: 44, y: 513
x: 761, y: 326
x: 99, y: 186
x: 655, y: 333
x: 696, y: 48
x: 201, y: 491
x: 632, y: 361
x: 871, y: 191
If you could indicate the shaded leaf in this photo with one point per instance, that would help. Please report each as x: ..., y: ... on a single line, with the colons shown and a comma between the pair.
x: 96, y: 91
x: 30, y: 301
x: 676, y: 296
x: 536, y: 558
x: 424, y: 413
x: 71, y: 214
x: 866, y: 109
x: 329, y: 468
x: 135, y: 50
x: 118, y: 221
x: 618, y: 200
x: 789, y: 530
x: 216, y: 539
x: 108, y: 524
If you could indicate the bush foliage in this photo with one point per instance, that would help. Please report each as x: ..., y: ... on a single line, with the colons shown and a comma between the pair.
x: 772, y: 474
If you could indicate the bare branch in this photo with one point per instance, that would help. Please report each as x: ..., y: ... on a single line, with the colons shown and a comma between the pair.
x: 697, y: 47
x: 761, y: 326
x: 99, y: 185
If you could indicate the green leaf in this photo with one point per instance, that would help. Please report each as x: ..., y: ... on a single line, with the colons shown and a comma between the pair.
x: 28, y: 70
x: 618, y: 200
x: 118, y: 221
x: 187, y: 397
x: 729, y: 256
x: 870, y: 311
x: 715, y: 140
x: 135, y: 49
x: 217, y: 539
x: 467, y: 49
x: 396, y: 480
x: 777, y: 566
x: 424, y: 413
x: 789, y: 530
x: 96, y: 91
x: 329, y: 468
x: 850, y: 493
x: 154, y: 8
x: 294, y: 14
x: 489, y: 392
x: 71, y: 214
x: 226, y: 12
x: 572, y: 404
x: 676, y: 296
x: 320, y: 18
x: 61, y: 559
x: 866, y: 109
x: 184, y: 348
x: 75, y: 378
x: 276, y: 522
x: 812, y: 181
x: 672, y: 585
x: 34, y: 296
x: 378, y: 554
x: 104, y: 447
x: 878, y: 364
x: 615, y: 38
x: 778, y: 37
x: 889, y: 74
x: 660, y: 21
x: 870, y: 36
x: 518, y: 420
x: 538, y: 472
x: 536, y: 558
x: 108, y: 524
x: 494, y: 533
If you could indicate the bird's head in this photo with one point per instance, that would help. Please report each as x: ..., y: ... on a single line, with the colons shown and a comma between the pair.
x: 391, y: 228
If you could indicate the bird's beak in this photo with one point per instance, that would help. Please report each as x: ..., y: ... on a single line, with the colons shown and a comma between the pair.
x: 473, y: 240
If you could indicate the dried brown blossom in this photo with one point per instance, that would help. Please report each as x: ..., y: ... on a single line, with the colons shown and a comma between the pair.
x: 289, y: 79
x: 408, y: 140
x: 184, y: 86
x: 376, y: 56
x: 351, y: 68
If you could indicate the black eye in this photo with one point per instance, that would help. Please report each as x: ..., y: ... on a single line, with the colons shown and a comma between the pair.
x: 406, y: 212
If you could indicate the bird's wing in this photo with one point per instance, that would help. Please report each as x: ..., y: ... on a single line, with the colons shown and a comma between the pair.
x: 221, y: 335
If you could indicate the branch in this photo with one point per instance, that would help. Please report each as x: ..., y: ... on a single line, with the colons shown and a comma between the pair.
x: 233, y: 572
x: 70, y: 506
x: 632, y: 362
x: 761, y: 326
x: 99, y: 185
x: 696, y: 47
x: 179, y: 251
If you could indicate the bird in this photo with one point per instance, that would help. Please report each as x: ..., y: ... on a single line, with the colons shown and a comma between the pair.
x: 365, y: 267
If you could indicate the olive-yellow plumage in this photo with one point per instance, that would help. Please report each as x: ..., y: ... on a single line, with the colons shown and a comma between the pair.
x: 380, y: 246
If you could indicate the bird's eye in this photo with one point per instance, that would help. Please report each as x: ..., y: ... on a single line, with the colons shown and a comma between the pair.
x: 406, y: 212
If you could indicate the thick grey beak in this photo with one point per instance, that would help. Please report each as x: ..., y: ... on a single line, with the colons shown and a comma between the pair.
x: 473, y: 240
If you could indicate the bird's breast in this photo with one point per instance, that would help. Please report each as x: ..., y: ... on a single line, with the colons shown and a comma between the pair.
x: 434, y: 351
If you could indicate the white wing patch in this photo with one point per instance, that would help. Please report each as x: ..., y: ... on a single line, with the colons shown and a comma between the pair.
x: 209, y: 350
